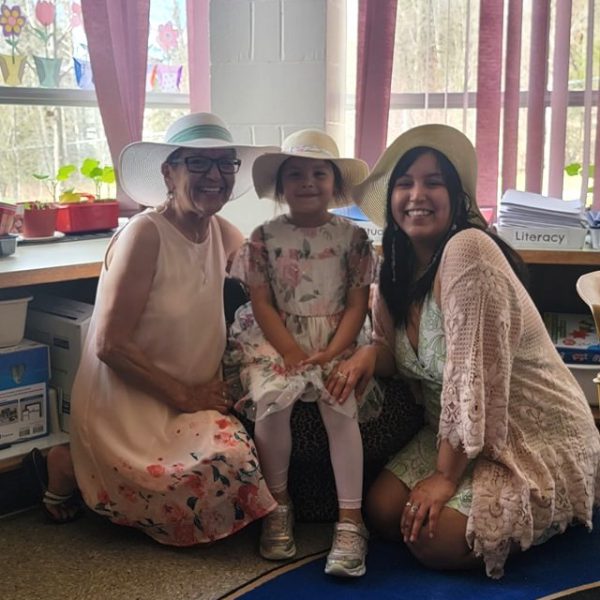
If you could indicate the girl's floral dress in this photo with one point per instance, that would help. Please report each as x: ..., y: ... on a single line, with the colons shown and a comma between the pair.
x: 309, y: 271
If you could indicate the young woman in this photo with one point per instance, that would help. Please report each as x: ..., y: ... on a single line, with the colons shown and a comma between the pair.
x: 509, y: 454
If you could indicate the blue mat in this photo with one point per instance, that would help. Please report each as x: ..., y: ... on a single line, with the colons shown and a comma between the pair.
x: 564, y: 562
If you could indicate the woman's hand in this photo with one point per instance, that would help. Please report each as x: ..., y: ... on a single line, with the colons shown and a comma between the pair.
x: 206, y: 396
x: 352, y: 374
x: 424, y: 504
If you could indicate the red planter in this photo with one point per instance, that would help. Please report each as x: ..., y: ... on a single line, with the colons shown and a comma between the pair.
x: 39, y: 222
x: 87, y: 216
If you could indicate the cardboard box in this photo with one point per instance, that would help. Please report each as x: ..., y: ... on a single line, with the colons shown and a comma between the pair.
x: 62, y: 324
x: 24, y: 374
x: 574, y: 336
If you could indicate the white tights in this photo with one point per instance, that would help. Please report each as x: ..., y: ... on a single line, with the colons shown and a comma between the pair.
x: 273, y: 439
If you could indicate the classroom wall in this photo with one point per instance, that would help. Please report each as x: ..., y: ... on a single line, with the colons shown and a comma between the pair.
x: 274, y: 70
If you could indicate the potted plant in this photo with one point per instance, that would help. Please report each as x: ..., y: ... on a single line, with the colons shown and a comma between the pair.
x: 39, y: 219
x: 99, y: 175
x: 81, y: 212
x: 39, y: 216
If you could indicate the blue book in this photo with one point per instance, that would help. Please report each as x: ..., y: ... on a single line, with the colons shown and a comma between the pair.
x: 574, y: 336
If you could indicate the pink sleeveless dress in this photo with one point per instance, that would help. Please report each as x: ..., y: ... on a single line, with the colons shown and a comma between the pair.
x: 182, y: 478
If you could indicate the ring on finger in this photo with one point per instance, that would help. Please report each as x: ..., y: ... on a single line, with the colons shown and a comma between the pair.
x: 408, y: 504
x: 341, y: 375
x: 414, y: 508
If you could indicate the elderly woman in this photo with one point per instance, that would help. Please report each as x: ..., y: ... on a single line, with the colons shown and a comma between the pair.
x: 152, y: 443
x: 509, y: 454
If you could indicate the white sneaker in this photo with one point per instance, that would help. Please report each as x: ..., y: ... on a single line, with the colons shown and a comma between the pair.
x: 348, y: 551
x: 277, y: 534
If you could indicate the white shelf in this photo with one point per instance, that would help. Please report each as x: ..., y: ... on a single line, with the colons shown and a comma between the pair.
x: 11, y: 457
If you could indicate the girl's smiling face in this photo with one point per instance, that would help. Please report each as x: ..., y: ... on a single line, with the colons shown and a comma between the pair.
x: 308, y: 186
x: 420, y: 203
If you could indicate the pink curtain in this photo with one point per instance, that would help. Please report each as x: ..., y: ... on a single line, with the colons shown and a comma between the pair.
x: 560, y: 98
x: 512, y: 92
x: 117, y: 34
x: 199, y: 54
x: 376, y: 30
x: 489, y: 69
x: 538, y: 72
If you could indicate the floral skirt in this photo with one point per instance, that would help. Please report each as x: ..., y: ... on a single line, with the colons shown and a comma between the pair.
x: 267, y: 386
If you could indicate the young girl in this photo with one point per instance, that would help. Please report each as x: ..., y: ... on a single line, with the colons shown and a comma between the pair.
x: 308, y: 272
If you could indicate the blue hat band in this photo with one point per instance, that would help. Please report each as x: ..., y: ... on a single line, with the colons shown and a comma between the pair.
x: 215, y: 132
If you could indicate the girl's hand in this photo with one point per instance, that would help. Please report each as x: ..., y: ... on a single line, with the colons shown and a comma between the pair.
x: 294, y: 358
x: 424, y: 504
x: 318, y: 358
x: 352, y: 374
x: 206, y: 396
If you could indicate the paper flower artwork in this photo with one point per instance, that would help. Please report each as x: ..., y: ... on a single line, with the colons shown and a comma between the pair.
x: 168, y: 38
x: 45, y: 13
x: 12, y: 21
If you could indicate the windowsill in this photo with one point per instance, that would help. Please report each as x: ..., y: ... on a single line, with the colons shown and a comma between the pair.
x: 33, y: 264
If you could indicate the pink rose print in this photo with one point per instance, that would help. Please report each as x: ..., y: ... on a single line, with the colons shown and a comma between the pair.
x: 279, y: 369
x: 174, y: 513
x: 327, y: 253
x: 223, y: 423
x: 177, y: 468
x: 103, y: 497
x: 288, y: 272
x: 248, y: 496
x: 196, y: 485
x: 127, y: 493
x: 215, y: 523
x: 156, y: 470
x: 226, y: 439
x: 184, y: 534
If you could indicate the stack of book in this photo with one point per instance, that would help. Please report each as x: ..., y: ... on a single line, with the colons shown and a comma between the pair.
x: 575, y: 337
x: 533, y: 221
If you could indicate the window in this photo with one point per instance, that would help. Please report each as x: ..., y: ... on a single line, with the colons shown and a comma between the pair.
x: 434, y: 76
x: 48, y: 111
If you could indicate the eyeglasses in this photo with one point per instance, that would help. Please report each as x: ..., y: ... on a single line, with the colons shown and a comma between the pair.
x: 203, y: 164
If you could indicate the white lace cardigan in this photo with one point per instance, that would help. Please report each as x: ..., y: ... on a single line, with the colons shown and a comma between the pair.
x: 510, y: 401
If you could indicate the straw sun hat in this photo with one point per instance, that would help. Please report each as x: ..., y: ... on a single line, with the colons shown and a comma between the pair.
x: 306, y: 143
x: 371, y: 194
x: 140, y: 162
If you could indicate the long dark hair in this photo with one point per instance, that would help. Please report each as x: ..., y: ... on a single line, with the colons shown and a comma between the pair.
x: 397, y: 282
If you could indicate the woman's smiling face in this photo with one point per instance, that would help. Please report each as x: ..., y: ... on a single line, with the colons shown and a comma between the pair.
x: 202, y: 193
x: 420, y: 202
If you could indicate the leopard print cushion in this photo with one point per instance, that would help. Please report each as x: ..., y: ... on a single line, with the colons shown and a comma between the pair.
x: 311, y: 482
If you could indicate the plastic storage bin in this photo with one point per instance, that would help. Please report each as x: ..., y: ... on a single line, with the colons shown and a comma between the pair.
x: 87, y: 216
x: 12, y: 320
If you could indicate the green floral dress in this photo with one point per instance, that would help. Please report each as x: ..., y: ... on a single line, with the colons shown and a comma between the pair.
x: 417, y: 460
x: 309, y: 271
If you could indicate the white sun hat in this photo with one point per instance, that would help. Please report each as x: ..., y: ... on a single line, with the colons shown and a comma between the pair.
x: 140, y: 162
x: 371, y: 194
x: 307, y: 143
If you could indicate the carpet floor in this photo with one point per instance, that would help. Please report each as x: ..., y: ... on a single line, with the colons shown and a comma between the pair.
x: 566, y: 561
x: 94, y: 560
